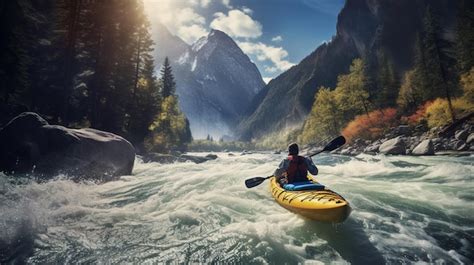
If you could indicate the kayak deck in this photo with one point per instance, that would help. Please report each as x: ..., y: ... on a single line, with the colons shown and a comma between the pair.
x: 320, y: 205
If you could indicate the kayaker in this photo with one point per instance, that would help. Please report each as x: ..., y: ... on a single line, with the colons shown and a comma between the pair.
x: 294, y: 168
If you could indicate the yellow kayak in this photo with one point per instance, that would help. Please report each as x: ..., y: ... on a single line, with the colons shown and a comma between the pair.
x: 320, y: 205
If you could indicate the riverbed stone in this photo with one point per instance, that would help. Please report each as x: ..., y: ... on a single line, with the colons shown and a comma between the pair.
x: 395, y: 146
x: 457, y: 145
x: 426, y: 147
x: 470, y: 138
x: 461, y: 135
x: 28, y: 144
x: 372, y: 149
x: 402, y: 130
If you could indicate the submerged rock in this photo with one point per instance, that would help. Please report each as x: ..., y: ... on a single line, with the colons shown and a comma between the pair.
x: 211, y: 157
x: 395, y: 146
x: 159, y: 158
x: 169, y: 158
x: 28, y: 144
x: 424, y: 148
x: 195, y: 159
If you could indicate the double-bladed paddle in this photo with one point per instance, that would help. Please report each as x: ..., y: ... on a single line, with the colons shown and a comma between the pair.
x: 333, y: 145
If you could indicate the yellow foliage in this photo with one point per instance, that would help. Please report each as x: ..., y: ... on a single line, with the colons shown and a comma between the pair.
x: 467, y: 83
x: 324, y: 118
x: 169, y: 127
x: 350, y: 93
x: 437, y: 114
x: 409, y: 95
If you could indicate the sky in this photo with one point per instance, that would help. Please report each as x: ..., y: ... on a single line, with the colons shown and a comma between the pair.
x: 275, y: 34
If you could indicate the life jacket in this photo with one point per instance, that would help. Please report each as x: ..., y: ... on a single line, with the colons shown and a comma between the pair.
x: 297, y: 170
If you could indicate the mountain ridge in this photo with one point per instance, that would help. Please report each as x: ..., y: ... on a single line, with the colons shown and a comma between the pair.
x: 216, y: 81
x: 364, y: 28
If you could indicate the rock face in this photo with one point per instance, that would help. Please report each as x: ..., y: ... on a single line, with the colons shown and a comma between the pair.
x: 424, y: 148
x: 395, y: 146
x: 28, y: 144
x: 216, y: 82
x: 363, y: 27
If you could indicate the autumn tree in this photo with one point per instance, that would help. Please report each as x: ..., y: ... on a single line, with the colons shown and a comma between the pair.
x: 351, y: 93
x: 325, y: 117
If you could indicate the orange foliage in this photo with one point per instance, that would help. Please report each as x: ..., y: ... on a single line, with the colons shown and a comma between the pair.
x: 419, y: 114
x: 371, y: 126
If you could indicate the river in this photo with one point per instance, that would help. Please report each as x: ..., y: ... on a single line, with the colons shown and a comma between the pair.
x: 405, y: 210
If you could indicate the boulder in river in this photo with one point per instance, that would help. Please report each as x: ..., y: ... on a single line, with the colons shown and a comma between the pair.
x: 196, y: 159
x: 424, y: 148
x: 395, y: 146
x: 169, y: 158
x: 28, y: 144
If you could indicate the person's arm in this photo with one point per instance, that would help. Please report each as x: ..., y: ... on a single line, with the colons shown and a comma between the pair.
x: 311, y: 166
x: 281, y: 170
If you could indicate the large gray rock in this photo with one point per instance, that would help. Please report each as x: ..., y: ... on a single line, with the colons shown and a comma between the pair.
x: 459, y: 146
x: 395, y: 146
x: 28, y: 144
x: 470, y: 138
x: 424, y: 148
x: 461, y: 135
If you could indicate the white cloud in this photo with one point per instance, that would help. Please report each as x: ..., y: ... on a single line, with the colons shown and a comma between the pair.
x: 179, y: 17
x: 205, y: 3
x: 266, y: 79
x: 226, y: 3
x: 263, y: 52
x: 277, y: 38
x: 270, y: 69
x: 191, y: 33
x: 247, y: 10
x: 237, y: 24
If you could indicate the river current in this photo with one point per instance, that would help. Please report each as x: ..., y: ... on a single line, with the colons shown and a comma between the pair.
x: 405, y: 210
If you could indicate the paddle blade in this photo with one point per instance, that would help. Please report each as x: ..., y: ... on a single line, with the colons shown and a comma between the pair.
x: 334, y: 144
x: 250, y: 183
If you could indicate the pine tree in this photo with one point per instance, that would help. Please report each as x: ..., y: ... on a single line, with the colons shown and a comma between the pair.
x: 14, y: 59
x: 388, y: 83
x: 167, y: 82
x: 438, y: 60
x: 465, y: 36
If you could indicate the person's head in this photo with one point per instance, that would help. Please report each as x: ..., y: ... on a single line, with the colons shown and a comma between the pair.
x: 293, y: 149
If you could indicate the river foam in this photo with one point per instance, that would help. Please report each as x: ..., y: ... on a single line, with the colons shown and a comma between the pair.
x: 405, y: 209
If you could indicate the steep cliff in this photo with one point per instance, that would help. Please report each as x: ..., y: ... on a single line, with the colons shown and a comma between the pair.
x: 365, y: 28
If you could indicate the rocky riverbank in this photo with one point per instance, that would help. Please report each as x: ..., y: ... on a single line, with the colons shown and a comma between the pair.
x: 406, y: 140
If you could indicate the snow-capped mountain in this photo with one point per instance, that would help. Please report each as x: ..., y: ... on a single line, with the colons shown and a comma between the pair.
x: 216, y: 82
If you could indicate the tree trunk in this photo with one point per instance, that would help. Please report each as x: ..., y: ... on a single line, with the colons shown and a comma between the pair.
x: 73, y: 16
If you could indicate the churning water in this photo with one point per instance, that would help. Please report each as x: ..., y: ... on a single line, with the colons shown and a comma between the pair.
x: 405, y: 210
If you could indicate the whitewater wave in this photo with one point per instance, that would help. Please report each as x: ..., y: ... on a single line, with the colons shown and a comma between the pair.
x: 405, y: 209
